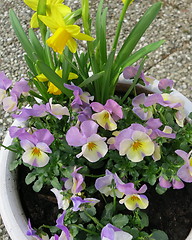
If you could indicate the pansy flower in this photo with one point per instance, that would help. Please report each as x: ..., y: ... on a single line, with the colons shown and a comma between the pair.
x: 76, y: 183
x: 79, y: 204
x: 10, y: 103
x: 5, y: 83
x: 93, y: 145
x: 65, y: 231
x: 133, y: 198
x: 81, y: 99
x: 36, y: 146
x: 56, y: 109
x: 104, y: 184
x: 20, y: 87
x: 110, y: 232
x: 135, y: 143
x: 185, y: 172
x: 107, y: 115
x: 36, y: 111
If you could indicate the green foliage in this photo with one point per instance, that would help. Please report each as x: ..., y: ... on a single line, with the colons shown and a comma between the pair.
x: 159, y: 235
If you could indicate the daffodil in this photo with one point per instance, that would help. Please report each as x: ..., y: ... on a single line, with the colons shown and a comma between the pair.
x: 52, y: 89
x: 51, y: 5
x: 63, y: 35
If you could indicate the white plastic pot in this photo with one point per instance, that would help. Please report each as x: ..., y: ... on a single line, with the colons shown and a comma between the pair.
x: 10, y: 207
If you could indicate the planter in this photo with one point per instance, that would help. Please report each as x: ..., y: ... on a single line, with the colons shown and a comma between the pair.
x: 10, y: 207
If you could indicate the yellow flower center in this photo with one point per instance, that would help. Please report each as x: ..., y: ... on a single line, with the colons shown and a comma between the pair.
x: 36, y: 151
x: 106, y: 116
x: 91, y: 146
x: 134, y: 198
x: 136, y: 145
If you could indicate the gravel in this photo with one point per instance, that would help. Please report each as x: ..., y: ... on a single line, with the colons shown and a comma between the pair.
x: 172, y: 60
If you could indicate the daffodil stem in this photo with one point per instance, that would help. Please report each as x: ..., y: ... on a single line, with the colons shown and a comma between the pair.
x: 94, y: 219
x: 119, y: 26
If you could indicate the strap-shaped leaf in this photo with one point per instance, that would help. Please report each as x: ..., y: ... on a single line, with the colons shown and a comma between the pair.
x: 141, y: 53
x: 21, y: 35
x: 92, y: 79
x: 36, y: 44
x: 137, y: 33
x: 53, y: 77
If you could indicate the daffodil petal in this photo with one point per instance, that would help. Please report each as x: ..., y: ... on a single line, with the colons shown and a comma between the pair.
x: 41, y: 78
x: 32, y: 4
x: 82, y: 36
x: 34, y: 21
x: 72, y: 45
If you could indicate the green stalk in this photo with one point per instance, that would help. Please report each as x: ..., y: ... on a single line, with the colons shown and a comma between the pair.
x: 94, y: 219
x: 8, y: 148
x: 119, y: 26
x: 84, y: 229
x: 41, y: 10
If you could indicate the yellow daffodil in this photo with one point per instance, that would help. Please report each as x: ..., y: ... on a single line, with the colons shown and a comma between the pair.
x: 51, y: 5
x: 52, y: 89
x: 63, y: 35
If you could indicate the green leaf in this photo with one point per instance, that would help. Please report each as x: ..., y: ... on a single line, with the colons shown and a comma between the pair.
x: 84, y: 217
x: 36, y: 44
x: 103, y: 44
x: 141, y: 53
x: 21, y: 35
x: 160, y: 190
x: 92, y: 79
x: 144, y: 219
x: 56, y: 184
x: 137, y: 33
x: 159, y: 235
x: 108, y: 211
x: 38, y: 185
x: 120, y: 220
x: 30, y: 65
x: 152, y: 179
x: 53, y: 77
x: 30, y: 178
x: 13, y: 165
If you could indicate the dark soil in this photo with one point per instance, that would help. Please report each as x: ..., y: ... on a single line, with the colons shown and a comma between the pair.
x: 170, y: 212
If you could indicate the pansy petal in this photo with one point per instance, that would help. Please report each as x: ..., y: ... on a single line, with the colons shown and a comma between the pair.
x: 74, y: 137
x: 89, y: 128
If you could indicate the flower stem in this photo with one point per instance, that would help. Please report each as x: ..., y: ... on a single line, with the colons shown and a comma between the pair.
x: 119, y: 26
x: 84, y: 229
x: 94, y: 219
x: 8, y: 148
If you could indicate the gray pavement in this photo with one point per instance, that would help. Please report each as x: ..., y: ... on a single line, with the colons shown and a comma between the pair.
x: 173, y: 60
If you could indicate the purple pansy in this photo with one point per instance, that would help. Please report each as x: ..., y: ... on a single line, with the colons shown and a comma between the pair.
x: 93, y: 146
x: 20, y: 87
x: 81, y: 99
x: 185, y: 172
x: 106, y: 115
x: 130, y: 72
x: 56, y: 109
x: 36, y: 146
x: 175, y: 183
x: 31, y: 232
x: 164, y: 183
x: 110, y: 232
x: 10, y: 103
x: 79, y: 203
x: 62, y: 201
x: 133, y: 198
x: 165, y: 84
x: 60, y: 225
x: 5, y: 83
x: 104, y: 184
x: 35, y: 111
x: 75, y: 184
